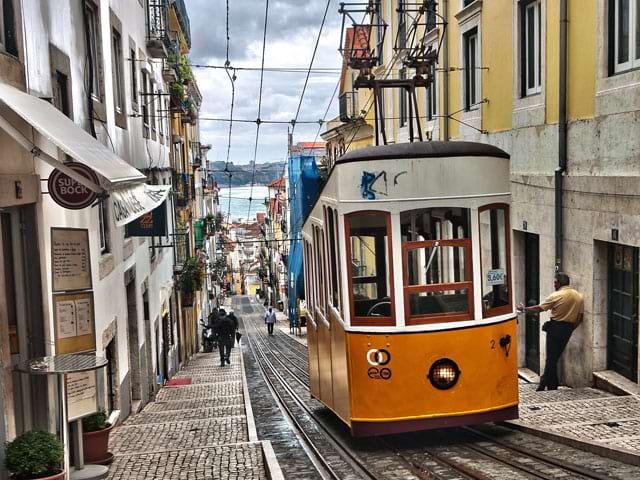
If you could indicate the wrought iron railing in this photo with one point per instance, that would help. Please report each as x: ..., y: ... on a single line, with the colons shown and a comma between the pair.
x: 158, y: 40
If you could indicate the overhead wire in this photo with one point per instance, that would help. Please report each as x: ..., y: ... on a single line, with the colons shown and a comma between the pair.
x: 258, y: 121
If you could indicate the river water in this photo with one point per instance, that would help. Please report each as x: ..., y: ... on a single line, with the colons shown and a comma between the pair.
x: 238, y: 204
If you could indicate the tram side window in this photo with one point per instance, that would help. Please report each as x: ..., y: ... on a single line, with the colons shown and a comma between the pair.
x: 369, y: 267
x: 333, y: 257
x: 494, y: 248
x: 437, y: 264
x: 307, y: 279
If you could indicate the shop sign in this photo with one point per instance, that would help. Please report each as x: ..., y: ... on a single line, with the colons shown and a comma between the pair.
x: 150, y: 224
x: 131, y: 203
x: 67, y: 192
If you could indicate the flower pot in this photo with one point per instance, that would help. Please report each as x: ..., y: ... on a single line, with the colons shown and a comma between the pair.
x: 95, y: 446
x: 55, y: 476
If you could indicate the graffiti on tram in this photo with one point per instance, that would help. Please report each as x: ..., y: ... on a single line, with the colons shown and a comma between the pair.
x: 373, y: 184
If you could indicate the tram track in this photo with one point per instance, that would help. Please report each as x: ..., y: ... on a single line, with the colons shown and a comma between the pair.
x: 468, y: 454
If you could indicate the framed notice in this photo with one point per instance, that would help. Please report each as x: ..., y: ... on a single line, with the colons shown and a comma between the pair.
x: 70, y: 259
x: 82, y: 399
x: 74, y: 322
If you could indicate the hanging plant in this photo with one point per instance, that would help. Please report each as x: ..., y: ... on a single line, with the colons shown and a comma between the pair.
x: 191, y: 276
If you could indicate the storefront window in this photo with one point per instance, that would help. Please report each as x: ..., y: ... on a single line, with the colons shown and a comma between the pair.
x: 494, y: 250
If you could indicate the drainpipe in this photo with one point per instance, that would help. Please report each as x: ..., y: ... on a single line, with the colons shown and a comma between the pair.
x: 562, y: 134
x: 445, y: 68
x: 87, y: 40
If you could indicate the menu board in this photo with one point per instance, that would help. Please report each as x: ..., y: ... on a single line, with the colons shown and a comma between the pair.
x: 70, y: 259
x: 74, y: 322
x: 81, y: 394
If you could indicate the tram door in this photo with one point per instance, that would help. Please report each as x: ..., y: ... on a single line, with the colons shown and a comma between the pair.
x: 622, y: 331
x: 532, y: 296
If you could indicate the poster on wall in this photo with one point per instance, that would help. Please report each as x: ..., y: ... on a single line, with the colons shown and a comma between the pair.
x: 81, y: 394
x: 70, y: 259
x: 74, y: 322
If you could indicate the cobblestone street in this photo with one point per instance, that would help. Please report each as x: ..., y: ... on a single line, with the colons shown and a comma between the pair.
x: 192, y: 431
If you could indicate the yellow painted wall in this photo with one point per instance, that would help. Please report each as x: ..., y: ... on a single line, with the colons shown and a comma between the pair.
x: 455, y: 60
x: 497, y: 55
x: 582, y: 59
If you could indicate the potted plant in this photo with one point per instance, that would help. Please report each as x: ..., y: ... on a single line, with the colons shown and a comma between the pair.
x: 190, y: 280
x: 184, y: 70
x: 176, y: 92
x: 35, y: 454
x: 95, y: 438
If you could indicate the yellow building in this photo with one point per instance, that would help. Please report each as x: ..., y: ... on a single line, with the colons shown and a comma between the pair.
x: 557, y: 85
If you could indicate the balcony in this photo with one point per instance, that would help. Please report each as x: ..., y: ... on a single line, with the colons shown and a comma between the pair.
x: 183, y: 19
x: 348, y: 107
x: 158, y: 41
x: 182, y: 185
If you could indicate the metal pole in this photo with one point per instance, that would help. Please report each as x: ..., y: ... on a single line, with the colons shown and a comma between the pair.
x: 78, y: 451
x: 64, y: 437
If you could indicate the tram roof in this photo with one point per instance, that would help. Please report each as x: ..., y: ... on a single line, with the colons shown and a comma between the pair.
x: 423, y: 150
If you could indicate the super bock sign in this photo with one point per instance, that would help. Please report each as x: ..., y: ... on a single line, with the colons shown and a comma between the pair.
x: 68, y: 193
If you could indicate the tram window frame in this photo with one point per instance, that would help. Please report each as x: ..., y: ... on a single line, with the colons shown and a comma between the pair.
x: 307, y: 282
x: 436, y: 241
x: 319, y: 260
x: 357, y: 320
x: 502, y: 309
x: 334, y: 292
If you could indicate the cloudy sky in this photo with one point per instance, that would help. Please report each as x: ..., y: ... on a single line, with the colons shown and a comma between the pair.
x: 292, y: 29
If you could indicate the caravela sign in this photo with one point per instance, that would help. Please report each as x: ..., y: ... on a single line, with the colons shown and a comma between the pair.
x: 67, y: 192
x: 131, y: 203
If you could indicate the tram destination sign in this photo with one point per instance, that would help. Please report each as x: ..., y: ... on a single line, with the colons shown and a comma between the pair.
x: 67, y: 192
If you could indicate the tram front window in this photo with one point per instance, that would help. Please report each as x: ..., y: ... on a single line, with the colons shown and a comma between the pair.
x: 369, y: 264
x: 437, y: 264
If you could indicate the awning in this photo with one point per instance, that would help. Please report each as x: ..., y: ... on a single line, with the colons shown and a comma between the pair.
x: 130, y: 203
x: 66, y: 135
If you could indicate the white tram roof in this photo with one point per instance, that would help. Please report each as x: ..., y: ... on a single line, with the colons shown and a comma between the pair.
x: 417, y: 171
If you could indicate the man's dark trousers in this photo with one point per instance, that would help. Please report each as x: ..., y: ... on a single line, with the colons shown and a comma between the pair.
x: 270, y: 328
x: 558, y: 334
x: 224, y: 345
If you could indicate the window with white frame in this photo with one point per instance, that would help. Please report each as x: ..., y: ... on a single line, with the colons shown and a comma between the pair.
x: 624, y: 35
x: 144, y: 103
x: 93, y: 24
x: 471, y: 51
x: 432, y: 93
x: 118, y: 75
x: 531, y: 51
x: 403, y: 101
x: 8, y: 40
x: 103, y: 220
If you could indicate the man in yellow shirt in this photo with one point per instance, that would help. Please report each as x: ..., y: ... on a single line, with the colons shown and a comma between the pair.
x: 567, y: 311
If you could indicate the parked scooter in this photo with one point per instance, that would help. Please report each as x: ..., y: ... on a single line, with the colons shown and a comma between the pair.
x: 208, y: 338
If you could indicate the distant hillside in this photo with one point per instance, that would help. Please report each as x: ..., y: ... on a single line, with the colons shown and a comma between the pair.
x: 241, y: 174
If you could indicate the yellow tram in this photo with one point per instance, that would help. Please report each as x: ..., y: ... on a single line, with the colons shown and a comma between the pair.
x: 410, y: 317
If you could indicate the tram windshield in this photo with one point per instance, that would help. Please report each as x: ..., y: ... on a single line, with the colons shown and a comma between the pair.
x: 494, y: 248
x: 437, y: 264
x: 369, y: 264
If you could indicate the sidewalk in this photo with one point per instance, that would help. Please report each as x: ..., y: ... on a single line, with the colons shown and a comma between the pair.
x: 586, y: 418
x: 204, y: 430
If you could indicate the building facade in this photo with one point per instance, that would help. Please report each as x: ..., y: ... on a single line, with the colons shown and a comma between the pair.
x: 90, y: 82
x: 556, y: 85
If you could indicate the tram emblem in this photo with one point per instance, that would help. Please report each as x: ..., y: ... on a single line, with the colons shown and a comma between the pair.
x: 378, y: 357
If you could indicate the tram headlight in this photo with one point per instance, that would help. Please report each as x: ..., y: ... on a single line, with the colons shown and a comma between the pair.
x: 444, y: 373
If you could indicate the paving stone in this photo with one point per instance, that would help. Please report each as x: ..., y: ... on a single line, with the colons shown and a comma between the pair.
x: 172, y: 405
x: 147, y: 417
x: 192, y: 392
x: 175, y: 435
x: 241, y: 461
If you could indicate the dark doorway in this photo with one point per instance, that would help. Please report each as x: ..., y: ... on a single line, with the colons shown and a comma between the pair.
x: 532, y: 296
x: 134, y: 345
x: 622, y: 310
x: 112, y: 375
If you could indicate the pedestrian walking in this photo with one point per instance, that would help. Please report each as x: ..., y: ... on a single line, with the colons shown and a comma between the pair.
x: 234, y: 319
x: 225, y: 330
x: 567, y: 311
x: 270, y: 320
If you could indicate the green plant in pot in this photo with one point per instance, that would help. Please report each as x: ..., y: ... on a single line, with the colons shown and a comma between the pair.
x: 35, y: 454
x: 95, y: 438
x: 190, y: 280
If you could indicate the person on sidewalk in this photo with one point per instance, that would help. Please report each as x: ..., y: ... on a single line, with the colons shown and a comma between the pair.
x: 567, y: 312
x: 270, y: 320
x: 225, y: 330
x: 234, y: 319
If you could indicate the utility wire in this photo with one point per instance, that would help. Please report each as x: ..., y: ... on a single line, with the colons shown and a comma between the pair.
x: 258, y: 121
